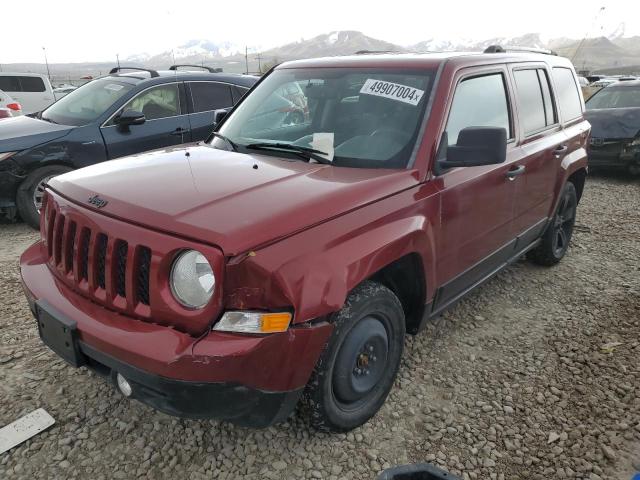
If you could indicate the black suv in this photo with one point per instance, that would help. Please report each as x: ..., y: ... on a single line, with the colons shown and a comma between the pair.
x: 113, y: 116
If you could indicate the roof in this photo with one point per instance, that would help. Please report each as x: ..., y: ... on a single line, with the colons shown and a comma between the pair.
x: 423, y: 60
x: 233, y: 78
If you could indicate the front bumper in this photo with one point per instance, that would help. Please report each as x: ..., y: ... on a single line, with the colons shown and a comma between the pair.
x: 250, y: 380
x: 613, y: 154
x: 9, y: 182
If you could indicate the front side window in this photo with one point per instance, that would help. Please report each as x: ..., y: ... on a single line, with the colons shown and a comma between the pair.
x: 615, y: 97
x: 157, y: 102
x: 209, y: 96
x: 479, y: 102
x: 357, y: 117
x: 87, y: 103
x: 567, y: 93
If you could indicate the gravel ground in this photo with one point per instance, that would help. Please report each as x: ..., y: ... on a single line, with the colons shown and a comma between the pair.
x: 534, y: 376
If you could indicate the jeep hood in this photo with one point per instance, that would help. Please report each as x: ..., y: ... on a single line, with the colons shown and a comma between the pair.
x: 614, y: 123
x: 22, y: 133
x: 235, y: 201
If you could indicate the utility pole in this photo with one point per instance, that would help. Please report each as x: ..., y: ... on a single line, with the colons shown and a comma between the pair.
x: 118, y: 59
x: 246, y: 59
x: 46, y: 62
x: 259, y: 58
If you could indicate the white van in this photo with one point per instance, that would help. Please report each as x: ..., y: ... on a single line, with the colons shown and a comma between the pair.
x: 31, y: 90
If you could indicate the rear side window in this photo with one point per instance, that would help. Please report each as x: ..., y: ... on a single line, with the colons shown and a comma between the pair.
x: 534, y: 100
x: 567, y: 94
x: 9, y: 84
x: 479, y: 102
x: 238, y: 92
x: 208, y: 96
x: 32, y: 84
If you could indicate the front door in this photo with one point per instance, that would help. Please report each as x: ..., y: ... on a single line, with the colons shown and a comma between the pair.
x: 477, y: 203
x: 165, y: 124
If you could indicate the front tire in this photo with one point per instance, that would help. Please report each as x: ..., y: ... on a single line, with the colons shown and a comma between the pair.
x: 358, y: 366
x: 30, y: 192
x: 556, y: 238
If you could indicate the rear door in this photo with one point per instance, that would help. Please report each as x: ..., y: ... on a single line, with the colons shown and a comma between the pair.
x: 166, y: 122
x: 477, y: 203
x: 204, y: 99
x: 544, y: 145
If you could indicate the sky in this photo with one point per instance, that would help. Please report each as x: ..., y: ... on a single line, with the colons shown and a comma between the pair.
x: 91, y: 30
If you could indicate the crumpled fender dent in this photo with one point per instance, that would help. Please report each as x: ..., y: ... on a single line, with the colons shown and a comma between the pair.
x: 313, y: 271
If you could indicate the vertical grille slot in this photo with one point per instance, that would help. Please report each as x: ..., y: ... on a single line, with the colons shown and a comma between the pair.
x: 143, y: 267
x: 57, y: 241
x: 50, y: 231
x: 101, y: 256
x: 83, y: 251
x: 69, y: 247
x: 120, y: 253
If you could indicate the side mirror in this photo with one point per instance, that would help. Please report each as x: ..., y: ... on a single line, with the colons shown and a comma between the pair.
x: 219, y: 114
x: 128, y: 118
x: 477, y: 146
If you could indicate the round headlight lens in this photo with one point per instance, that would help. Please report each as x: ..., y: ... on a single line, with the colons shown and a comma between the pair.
x: 192, y: 279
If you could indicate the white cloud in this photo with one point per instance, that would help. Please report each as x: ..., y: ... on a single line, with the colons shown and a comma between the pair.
x: 91, y: 30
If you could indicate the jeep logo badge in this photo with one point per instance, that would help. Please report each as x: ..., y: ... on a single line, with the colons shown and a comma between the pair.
x: 97, y: 202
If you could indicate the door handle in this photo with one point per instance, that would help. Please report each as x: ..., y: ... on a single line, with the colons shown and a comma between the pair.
x: 179, y: 131
x: 559, y: 150
x: 515, y: 171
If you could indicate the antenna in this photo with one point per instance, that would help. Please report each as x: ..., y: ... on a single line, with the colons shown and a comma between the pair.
x: 259, y: 57
x: 246, y: 59
x: 595, y: 19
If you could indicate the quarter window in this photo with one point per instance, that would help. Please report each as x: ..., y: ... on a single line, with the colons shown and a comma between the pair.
x: 479, y: 102
x: 157, y: 102
x: 567, y: 93
x: 32, y: 84
x: 534, y: 100
x: 208, y: 96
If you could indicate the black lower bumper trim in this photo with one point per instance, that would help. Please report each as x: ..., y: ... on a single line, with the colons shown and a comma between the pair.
x: 225, y: 401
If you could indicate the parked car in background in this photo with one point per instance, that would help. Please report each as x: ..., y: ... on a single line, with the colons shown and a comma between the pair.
x: 614, y: 114
x: 116, y: 115
x: 8, y: 106
x: 33, y: 91
x: 284, y: 261
x: 60, y: 92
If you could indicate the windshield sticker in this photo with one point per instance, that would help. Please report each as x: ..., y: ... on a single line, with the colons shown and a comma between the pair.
x: 393, y: 91
x: 324, y: 143
x: 113, y: 87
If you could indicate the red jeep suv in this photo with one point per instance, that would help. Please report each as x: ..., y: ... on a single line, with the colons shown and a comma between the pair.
x: 286, y: 257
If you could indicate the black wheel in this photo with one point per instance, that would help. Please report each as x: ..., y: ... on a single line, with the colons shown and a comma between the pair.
x: 30, y: 192
x: 357, y: 368
x: 556, y: 239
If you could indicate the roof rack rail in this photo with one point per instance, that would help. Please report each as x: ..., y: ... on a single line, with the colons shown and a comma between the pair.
x: 373, y: 52
x: 153, y: 73
x: 501, y: 49
x: 209, y: 69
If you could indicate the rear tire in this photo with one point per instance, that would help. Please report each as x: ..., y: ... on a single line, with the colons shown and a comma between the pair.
x: 358, y: 366
x: 556, y: 238
x: 29, y: 196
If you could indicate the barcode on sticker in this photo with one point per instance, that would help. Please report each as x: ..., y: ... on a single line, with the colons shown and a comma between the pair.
x: 393, y: 91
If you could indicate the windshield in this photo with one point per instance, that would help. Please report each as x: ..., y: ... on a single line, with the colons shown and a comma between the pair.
x: 615, y: 97
x: 85, y: 104
x: 355, y: 117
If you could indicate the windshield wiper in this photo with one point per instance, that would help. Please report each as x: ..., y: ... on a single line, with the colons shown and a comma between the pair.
x: 233, y: 146
x: 304, y: 152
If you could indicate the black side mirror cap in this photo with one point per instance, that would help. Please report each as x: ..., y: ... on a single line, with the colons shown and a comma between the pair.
x: 477, y: 146
x: 219, y: 114
x: 128, y: 118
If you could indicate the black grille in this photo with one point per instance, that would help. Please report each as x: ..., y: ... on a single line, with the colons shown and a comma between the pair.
x: 144, y: 265
x: 101, y: 256
x: 71, y: 235
x: 58, y: 239
x: 121, y: 266
x: 83, y: 261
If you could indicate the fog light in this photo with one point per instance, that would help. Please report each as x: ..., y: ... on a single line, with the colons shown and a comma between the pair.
x: 124, y: 385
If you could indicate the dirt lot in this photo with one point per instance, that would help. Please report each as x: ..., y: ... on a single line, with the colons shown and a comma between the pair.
x: 535, y: 376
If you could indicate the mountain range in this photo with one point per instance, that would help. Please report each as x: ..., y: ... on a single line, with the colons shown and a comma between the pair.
x: 612, y: 53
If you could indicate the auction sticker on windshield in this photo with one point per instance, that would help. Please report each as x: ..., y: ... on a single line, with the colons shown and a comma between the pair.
x: 394, y: 91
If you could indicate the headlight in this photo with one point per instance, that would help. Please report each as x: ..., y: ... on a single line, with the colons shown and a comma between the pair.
x: 635, y: 142
x: 192, y: 279
x: 253, y: 322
